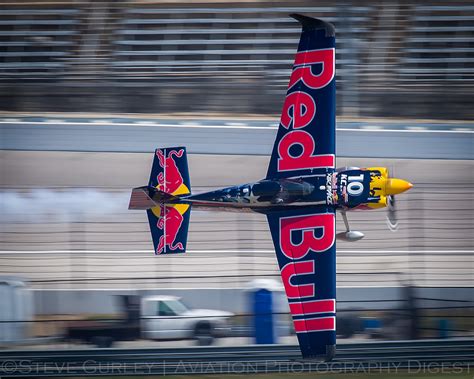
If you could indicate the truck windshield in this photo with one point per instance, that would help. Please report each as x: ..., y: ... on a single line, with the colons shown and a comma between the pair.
x: 177, y: 306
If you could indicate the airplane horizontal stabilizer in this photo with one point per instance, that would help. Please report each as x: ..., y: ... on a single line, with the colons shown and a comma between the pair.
x: 169, y: 227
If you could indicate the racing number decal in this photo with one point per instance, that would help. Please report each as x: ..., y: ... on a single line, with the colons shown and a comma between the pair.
x: 355, y: 186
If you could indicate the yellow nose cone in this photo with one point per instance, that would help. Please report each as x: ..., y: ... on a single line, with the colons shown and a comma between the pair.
x: 395, y: 186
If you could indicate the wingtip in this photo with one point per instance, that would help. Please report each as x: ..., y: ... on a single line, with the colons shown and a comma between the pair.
x: 310, y: 23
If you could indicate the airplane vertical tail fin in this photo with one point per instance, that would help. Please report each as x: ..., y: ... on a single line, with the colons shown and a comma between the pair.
x: 147, y: 197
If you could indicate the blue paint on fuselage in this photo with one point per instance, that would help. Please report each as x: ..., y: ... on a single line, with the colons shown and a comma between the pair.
x: 265, y: 194
x: 329, y: 189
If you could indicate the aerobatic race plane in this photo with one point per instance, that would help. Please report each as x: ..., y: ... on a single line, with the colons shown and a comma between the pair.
x: 300, y: 194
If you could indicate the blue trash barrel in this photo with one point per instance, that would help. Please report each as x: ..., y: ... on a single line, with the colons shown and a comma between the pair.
x: 263, y: 317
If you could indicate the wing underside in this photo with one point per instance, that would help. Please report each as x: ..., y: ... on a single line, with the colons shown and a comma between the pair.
x: 305, y: 142
x: 305, y: 247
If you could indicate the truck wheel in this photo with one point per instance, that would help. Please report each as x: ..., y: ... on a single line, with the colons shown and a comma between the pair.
x: 203, y: 334
x: 102, y: 341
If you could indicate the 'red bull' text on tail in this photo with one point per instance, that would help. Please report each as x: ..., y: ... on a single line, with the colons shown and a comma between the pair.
x: 168, y: 213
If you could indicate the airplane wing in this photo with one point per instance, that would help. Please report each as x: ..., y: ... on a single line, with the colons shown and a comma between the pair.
x: 304, y: 242
x: 305, y: 142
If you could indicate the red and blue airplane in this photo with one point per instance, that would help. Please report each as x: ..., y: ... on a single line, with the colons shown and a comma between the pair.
x: 300, y: 194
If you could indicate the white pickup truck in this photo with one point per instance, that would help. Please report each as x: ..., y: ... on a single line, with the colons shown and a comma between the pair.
x: 167, y: 318
x: 156, y: 318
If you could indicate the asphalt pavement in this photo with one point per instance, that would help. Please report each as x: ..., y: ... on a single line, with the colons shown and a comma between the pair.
x: 367, y: 138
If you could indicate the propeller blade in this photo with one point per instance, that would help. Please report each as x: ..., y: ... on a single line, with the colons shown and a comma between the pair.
x: 392, y: 221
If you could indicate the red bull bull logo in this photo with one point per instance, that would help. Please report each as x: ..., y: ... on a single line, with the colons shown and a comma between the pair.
x: 170, y: 179
x: 170, y: 220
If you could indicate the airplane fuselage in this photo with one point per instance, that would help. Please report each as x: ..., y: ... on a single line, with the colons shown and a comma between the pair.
x: 342, y: 189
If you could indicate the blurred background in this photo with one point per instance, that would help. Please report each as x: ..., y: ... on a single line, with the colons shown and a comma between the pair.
x: 88, y: 89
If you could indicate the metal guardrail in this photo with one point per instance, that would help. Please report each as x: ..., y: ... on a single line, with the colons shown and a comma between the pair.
x: 379, y: 357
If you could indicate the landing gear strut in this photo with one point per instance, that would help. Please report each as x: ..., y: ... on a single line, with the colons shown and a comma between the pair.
x: 349, y: 235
